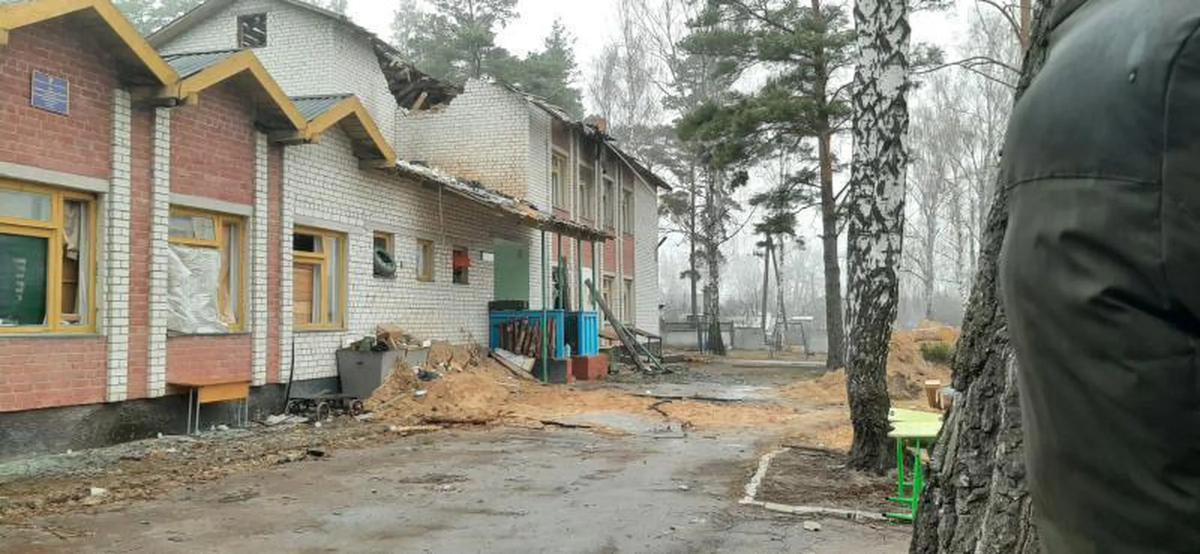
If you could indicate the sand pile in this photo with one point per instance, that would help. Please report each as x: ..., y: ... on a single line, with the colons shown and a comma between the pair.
x: 467, y: 389
x: 478, y: 390
x: 907, y: 369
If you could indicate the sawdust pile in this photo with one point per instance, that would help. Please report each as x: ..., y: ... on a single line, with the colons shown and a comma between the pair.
x: 470, y: 389
x: 477, y: 391
x: 907, y: 369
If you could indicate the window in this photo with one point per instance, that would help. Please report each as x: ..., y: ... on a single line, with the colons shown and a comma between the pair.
x: 606, y: 293
x: 384, y: 254
x: 205, y: 272
x: 424, y: 260
x: 627, y: 211
x: 627, y: 301
x: 252, y: 30
x: 47, y: 259
x: 587, y: 192
x: 461, y: 264
x: 319, y: 279
x: 606, y: 200
x: 559, y: 181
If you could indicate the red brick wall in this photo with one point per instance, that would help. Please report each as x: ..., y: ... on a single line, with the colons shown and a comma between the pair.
x: 208, y: 357
x: 44, y: 373
x: 610, y: 256
x: 212, y: 146
x: 139, y: 251
x: 274, y: 236
x: 213, y: 156
x: 80, y: 143
x: 49, y: 372
x: 587, y: 254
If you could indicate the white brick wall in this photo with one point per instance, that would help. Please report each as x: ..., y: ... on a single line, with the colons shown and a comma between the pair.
x: 116, y: 251
x: 258, y: 265
x: 306, y: 53
x: 287, y: 222
x: 482, y: 135
x: 646, y: 293
x: 159, y: 225
x: 324, y: 184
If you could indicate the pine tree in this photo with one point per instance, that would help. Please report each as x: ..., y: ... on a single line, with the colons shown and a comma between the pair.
x: 550, y: 72
x: 802, y: 47
x: 456, y: 40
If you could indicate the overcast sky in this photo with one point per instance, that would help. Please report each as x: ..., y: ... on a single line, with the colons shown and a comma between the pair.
x: 592, y: 22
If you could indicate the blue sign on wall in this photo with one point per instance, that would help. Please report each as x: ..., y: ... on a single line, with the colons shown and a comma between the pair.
x: 51, y: 93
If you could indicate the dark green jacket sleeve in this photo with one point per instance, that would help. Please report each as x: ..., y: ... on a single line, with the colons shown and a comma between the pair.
x: 1101, y: 277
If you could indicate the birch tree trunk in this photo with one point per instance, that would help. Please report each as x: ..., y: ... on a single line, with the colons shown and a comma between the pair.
x: 876, y: 212
x: 976, y: 500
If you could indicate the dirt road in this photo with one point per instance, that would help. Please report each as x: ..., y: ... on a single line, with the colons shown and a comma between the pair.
x: 649, y: 487
x: 468, y: 491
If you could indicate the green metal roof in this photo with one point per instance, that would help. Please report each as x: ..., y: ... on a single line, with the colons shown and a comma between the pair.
x: 311, y: 107
x: 191, y: 63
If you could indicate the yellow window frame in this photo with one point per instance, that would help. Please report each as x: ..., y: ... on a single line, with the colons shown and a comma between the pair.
x: 426, y: 264
x: 54, y: 231
x: 389, y: 241
x: 220, y: 220
x: 323, y: 262
x: 559, y: 163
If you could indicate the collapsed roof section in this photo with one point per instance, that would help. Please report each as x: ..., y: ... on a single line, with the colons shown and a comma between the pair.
x: 199, y: 71
x: 524, y: 212
x: 141, y: 65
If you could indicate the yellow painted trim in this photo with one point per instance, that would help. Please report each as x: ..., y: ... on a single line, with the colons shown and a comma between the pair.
x: 351, y: 106
x: 220, y: 220
x: 244, y: 61
x: 53, y: 232
x: 15, y: 16
x: 322, y: 260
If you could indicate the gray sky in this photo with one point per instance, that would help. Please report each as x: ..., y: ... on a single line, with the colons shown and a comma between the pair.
x: 592, y: 22
x: 586, y: 20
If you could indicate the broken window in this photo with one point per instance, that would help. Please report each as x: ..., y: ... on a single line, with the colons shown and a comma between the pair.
x: 606, y: 200
x: 385, y: 254
x: 318, y: 279
x: 461, y: 262
x: 252, y: 30
x: 424, y: 260
x: 587, y: 192
x: 559, y: 181
x: 47, y: 259
x: 205, y: 273
x: 627, y: 211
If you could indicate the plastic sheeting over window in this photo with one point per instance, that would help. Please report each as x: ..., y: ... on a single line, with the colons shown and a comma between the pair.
x: 193, y: 282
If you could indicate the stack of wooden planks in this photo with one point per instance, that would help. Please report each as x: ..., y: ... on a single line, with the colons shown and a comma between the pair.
x: 524, y: 337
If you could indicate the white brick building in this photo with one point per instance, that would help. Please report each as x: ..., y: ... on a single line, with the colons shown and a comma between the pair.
x: 486, y: 134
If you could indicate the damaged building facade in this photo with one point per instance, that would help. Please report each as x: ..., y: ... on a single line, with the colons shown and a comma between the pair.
x: 209, y: 204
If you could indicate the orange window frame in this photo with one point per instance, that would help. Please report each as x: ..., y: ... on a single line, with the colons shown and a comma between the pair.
x: 54, y: 231
x: 218, y: 243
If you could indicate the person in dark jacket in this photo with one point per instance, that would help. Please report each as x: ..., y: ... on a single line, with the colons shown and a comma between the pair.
x: 1100, y: 276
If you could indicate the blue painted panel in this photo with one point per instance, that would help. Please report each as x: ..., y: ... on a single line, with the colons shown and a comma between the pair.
x: 50, y: 93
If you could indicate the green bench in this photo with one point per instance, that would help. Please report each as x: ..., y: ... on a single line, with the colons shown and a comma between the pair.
x: 913, y: 432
